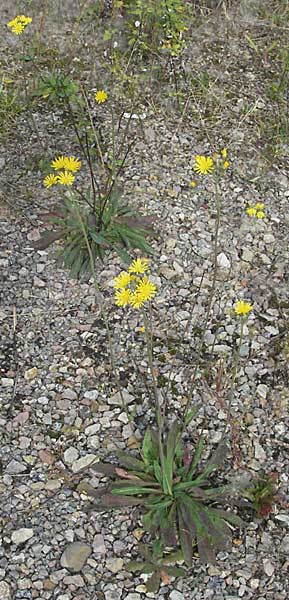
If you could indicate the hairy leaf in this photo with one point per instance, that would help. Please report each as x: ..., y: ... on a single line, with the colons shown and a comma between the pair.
x: 153, y: 583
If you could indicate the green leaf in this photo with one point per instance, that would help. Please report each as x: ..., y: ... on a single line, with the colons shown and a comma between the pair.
x: 196, y: 458
x: 153, y: 583
x: 134, y: 565
x: 187, y: 531
x: 191, y: 414
x: 129, y: 461
x: 150, y: 449
x: 157, y: 471
x: 130, y: 490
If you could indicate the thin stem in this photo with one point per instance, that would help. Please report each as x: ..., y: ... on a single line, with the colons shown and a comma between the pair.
x: 211, y: 296
x: 149, y: 346
x: 104, y: 317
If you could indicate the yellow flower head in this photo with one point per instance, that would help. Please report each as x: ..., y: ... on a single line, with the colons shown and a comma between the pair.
x: 242, y: 308
x: 224, y: 153
x: 139, y: 266
x: 65, y: 178
x: 122, y: 280
x: 193, y: 184
x: 145, y: 290
x: 226, y: 164
x: 259, y: 205
x: 204, y: 165
x: 260, y: 214
x: 18, y: 24
x: 59, y: 163
x: 123, y: 297
x: 72, y: 164
x: 101, y: 96
x: 50, y: 180
x: 251, y: 211
x: 142, y: 329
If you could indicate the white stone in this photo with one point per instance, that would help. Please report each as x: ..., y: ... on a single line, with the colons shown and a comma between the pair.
x: 262, y: 390
x: 223, y: 261
x: 175, y: 595
x: 83, y: 462
x: 92, y: 429
x: 5, y: 593
x: 70, y: 455
x: 19, y: 536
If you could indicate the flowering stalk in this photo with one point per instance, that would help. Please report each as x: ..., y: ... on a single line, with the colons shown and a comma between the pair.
x: 211, y: 295
x: 105, y: 319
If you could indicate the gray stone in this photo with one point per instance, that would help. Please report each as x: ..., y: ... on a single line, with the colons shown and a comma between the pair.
x: 99, y: 544
x: 70, y: 455
x: 15, y: 467
x: 69, y: 394
x: 114, y: 564
x: 83, y: 462
x: 133, y: 596
x: 19, y: 536
x: 118, y: 399
x: 268, y: 567
x: 76, y: 580
x: 5, y: 593
x: 75, y: 556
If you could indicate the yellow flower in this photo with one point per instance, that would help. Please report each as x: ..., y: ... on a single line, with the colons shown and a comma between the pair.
x: 18, y: 24
x: 65, y: 178
x: 142, y: 329
x: 204, y: 165
x: 59, y: 163
x: 50, y: 180
x: 193, y: 184
x: 145, y: 290
x: 260, y: 214
x: 224, y: 153
x: 101, y: 96
x: 140, y: 266
x: 251, y: 211
x: 24, y: 20
x: 72, y: 164
x: 122, y: 280
x: 259, y: 205
x: 123, y: 297
x: 243, y: 308
x: 226, y: 164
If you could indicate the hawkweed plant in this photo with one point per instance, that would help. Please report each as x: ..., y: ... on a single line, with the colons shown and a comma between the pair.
x: 110, y: 223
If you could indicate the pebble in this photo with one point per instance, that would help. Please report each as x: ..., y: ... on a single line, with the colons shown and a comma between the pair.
x: 70, y: 455
x: 75, y: 556
x: 99, y: 544
x: 83, y: 462
x: 268, y: 567
x: 30, y: 374
x: 117, y: 400
x: 69, y: 394
x: 133, y: 596
x: 91, y: 395
x: 15, y: 467
x: 223, y: 261
x: 114, y: 564
x: 175, y: 595
x: 19, y: 536
x: 262, y: 390
x: 76, y: 580
x: 5, y: 593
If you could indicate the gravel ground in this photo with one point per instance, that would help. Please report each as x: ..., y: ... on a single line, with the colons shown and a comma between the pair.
x: 59, y: 404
